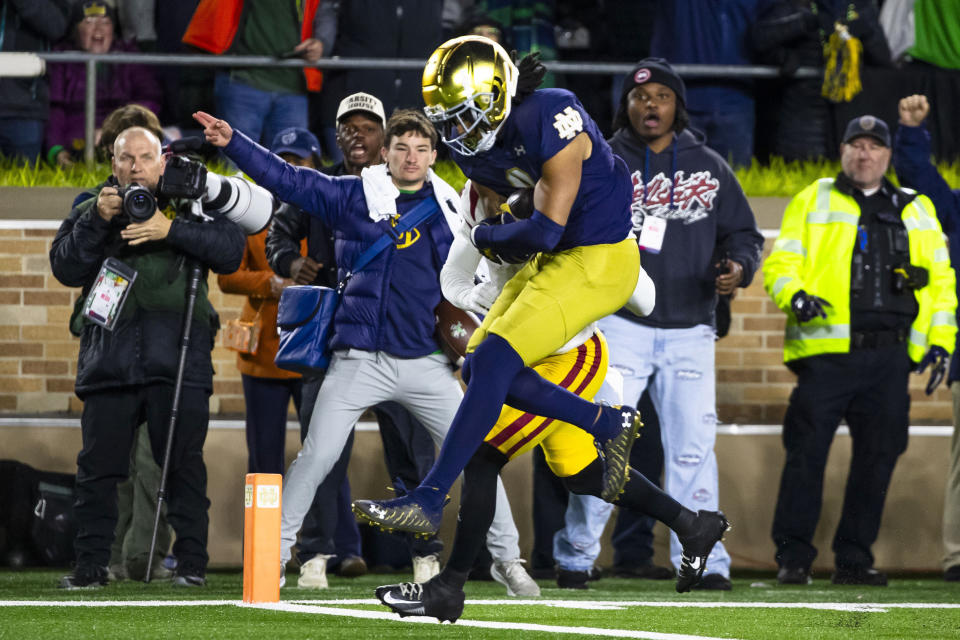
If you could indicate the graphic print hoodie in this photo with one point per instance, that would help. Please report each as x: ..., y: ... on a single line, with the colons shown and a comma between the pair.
x: 707, y: 219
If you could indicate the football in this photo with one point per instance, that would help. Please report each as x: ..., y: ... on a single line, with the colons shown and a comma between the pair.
x: 520, y: 203
x: 454, y: 328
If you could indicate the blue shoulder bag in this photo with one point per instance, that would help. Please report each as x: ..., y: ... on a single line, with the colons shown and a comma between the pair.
x: 305, y: 314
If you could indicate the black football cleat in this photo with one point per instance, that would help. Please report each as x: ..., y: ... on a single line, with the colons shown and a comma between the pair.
x: 399, y: 514
x: 432, y: 599
x: 84, y: 577
x: 708, y: 531
x: 615, y: 452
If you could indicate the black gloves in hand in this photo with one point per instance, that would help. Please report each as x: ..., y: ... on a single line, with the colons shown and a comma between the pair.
x: 936, y: 356
x: 806, y: 307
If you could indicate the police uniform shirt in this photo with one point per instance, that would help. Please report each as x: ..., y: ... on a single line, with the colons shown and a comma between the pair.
x: 877, y: 302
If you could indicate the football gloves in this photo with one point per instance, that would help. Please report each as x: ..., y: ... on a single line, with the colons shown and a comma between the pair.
x: 807, y: 307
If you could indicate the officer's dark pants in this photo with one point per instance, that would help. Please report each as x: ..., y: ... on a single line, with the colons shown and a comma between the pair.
x: 868, y: 388
x: 108, y: 426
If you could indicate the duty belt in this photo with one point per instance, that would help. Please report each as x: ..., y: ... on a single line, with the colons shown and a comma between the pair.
x: 874, y: 339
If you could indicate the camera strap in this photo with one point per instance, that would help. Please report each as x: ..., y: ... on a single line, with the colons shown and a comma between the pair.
x: 419, y: 214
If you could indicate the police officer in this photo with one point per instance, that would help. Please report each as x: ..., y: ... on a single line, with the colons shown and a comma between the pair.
x: 862, y: 272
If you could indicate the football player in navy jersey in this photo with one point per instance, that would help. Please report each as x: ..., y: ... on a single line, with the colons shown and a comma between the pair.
x: 581, y: 262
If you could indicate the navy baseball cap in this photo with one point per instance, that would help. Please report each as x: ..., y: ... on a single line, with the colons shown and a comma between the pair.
x: 299, y: 142
x: 867, y: 126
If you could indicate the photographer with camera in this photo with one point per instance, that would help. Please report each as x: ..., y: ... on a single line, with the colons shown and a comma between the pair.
x: 132, y: 253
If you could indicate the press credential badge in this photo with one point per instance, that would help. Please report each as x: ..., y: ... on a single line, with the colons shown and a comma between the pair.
x: 108, y: 293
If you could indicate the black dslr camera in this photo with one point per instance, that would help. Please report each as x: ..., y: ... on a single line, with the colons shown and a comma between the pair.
x: 138, y: 202
x: 182, y: 178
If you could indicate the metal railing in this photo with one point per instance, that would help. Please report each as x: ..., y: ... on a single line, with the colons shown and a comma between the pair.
x: 91, y: 60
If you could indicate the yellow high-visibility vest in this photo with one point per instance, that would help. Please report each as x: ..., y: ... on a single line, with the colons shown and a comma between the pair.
x: 814, y: 252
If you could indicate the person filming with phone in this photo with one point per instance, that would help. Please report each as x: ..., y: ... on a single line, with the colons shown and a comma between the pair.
x: 132, y: 251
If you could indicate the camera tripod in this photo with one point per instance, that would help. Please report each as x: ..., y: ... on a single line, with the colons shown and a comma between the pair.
x: 193, y: 285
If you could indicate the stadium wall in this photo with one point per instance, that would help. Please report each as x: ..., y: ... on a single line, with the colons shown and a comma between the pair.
x: 38, y: 365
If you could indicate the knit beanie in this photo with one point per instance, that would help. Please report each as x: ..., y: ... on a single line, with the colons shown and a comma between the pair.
x: 654, y: 70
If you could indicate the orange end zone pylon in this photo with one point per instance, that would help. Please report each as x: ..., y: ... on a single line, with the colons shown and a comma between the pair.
x: 261, y: 537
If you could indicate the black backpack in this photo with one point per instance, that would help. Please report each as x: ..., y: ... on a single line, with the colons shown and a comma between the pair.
x: 37, y: 526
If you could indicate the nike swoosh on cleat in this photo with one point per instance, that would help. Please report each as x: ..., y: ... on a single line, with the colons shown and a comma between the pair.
x: 390, y: 600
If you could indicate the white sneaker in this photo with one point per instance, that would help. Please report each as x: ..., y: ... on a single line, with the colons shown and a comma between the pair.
x: 512, y: 575
x: 313, y: 573
x: 425, y: 567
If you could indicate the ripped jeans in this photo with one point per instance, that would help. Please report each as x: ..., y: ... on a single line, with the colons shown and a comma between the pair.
x: 678, y: 364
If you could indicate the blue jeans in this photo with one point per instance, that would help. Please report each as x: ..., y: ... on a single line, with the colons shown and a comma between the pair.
x: 21, y: 137
x: 683, y: 390
x: 259, y: 114
x: 729, y: 133
x: 577, y: 545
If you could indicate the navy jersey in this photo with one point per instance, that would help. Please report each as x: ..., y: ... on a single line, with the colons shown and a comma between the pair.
x: 537, y: 129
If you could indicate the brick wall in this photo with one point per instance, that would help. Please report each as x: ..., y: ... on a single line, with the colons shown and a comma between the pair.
x: 38, y: 354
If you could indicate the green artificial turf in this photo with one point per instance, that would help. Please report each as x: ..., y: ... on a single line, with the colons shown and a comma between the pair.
x: 232, y: 621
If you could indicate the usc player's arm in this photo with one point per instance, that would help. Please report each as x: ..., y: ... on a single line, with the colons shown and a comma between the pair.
x: 557, y: 187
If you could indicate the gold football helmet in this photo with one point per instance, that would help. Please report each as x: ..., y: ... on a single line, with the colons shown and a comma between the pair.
x: 468, y: 85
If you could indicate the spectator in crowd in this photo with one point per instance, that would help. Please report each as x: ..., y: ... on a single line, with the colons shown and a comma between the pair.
x: 911, y: 160
x: 137, y: 22
x: 705, y: 32
x: 791, y: 34
x: 937, y: 31
x: 862, y: 272
x: 183, y: 87
x: 377, y: 29
x: 267, y: 389
x: 408, y: 449
x: 383, y: 344
x: 93, y: 27
x: 698, y: 239
x: 126, y: 375
x: 27, y: 25
x: 528, y: 26
x: 263, y: 101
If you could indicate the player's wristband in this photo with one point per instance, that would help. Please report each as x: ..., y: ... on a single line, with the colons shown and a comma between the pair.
x: 537, y: 233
